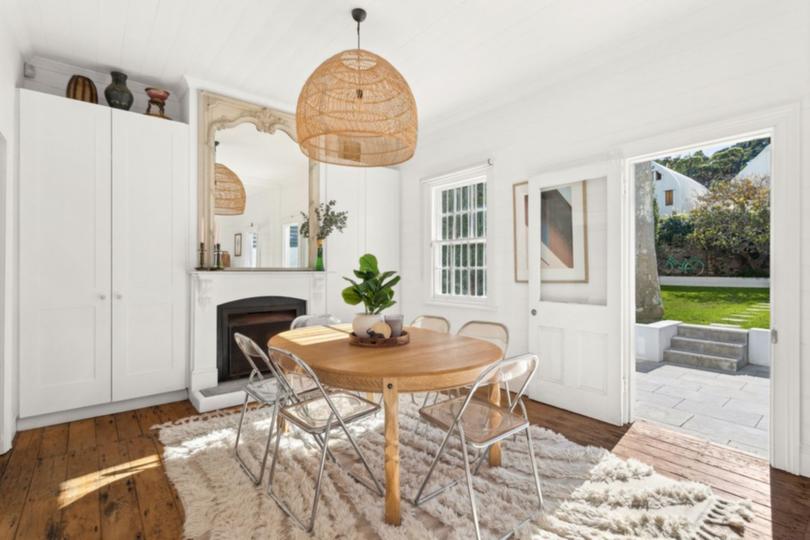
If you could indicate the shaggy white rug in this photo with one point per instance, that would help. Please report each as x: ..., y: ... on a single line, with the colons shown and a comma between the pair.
x: 588, y: 492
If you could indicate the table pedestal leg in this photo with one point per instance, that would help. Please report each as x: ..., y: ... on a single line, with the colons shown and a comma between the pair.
x: 495, y: 449
x: 391, y: 404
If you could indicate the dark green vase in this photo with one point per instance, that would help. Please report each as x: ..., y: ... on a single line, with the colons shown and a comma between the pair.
x: 319, y: 258
x: 117, y: 94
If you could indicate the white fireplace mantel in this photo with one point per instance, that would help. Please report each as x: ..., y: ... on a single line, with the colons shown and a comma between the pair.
x: 209, y: 290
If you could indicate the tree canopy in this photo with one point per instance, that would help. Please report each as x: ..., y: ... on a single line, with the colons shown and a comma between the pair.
x: 734, y: 217
x: 722, y: 165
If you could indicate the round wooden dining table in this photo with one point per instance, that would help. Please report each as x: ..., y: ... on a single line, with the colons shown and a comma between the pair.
x: 430, y: 362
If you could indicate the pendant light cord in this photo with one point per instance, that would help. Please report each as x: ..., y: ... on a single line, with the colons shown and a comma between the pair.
x: 359, y: 88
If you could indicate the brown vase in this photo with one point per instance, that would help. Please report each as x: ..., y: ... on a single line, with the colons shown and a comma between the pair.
x: 81, y: 88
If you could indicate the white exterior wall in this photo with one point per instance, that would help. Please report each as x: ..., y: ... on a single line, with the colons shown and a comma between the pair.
x: 703, y: 75
x: 685, y: 191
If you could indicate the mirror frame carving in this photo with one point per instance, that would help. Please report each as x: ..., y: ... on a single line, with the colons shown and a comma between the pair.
x: 217, y: 112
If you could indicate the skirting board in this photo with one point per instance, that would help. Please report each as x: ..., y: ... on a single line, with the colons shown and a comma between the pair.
x: 99, y: 410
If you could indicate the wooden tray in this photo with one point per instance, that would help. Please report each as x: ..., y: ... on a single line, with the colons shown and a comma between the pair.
x: 403, y: 339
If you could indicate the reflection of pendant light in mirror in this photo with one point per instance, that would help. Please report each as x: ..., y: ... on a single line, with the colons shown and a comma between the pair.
x: 356, y: 109
x: 229, y: 193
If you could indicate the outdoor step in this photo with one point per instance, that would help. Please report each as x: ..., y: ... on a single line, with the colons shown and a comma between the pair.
x: 713, y: 333
x: 703, y: 360
x: 735, y: 351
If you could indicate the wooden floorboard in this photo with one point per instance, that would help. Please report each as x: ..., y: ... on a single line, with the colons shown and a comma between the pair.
x: 103, y: 477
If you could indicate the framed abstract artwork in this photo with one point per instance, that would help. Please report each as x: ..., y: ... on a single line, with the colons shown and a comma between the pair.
x: 564, y: 234
x: 520, y: 225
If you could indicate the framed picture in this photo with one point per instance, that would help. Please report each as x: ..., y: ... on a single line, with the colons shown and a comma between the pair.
x: 237, y: 245
x: 520, y: 224
x: 564, y: 234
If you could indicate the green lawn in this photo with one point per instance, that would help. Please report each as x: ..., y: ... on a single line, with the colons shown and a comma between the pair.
x: 706, y: 305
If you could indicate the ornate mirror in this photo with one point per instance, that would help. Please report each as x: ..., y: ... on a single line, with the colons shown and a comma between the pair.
x: 254, y: 185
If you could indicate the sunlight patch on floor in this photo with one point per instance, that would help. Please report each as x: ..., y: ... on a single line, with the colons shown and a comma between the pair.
x: 74, y: 489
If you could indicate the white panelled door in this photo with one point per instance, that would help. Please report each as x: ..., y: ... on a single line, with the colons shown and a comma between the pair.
x: 574, y: 320
x: 65, y: 225
x: 149, y: 283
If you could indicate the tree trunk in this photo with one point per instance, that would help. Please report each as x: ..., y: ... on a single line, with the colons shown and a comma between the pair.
x: 649, y: 307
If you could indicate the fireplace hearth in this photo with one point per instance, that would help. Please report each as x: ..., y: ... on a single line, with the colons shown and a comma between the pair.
x: 259, y: 318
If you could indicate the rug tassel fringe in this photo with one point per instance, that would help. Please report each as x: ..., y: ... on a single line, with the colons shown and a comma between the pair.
x: 732, y: 515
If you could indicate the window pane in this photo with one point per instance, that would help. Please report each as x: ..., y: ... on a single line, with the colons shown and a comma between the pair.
x: 444, y: 202
x: 479, y: 224
x: 481, y: 277
x: 464, y: 256
x: 479, y: 255
x: 445, y: 281
x: 465, y: 282
x: 465, y: 197
x: 473, y: 283
x: 445, y: 256
x: 479, y: 195
x: 457, y: 277
x: 449, y: 194
x: 465, y: 225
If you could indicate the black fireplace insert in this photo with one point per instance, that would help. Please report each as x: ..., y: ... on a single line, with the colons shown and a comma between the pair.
x: 259, y: 318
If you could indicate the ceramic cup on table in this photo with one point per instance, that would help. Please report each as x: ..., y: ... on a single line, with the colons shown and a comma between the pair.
x: 395, y: 322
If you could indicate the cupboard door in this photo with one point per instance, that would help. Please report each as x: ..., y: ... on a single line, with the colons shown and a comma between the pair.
x: 150, y: 234
x: 64, y: 251
x: 371, y: 196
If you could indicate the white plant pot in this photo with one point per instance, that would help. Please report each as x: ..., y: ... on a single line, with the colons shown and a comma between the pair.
x: 363, y: 322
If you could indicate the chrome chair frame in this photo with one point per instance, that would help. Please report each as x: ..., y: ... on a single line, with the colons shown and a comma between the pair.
x: 250, y: 349
x: 492, y: 375
x: 323, y: 319
x: 316, y: 432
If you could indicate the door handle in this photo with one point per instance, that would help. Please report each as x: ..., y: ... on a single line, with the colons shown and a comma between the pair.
x: 534, y: 312
x: 774, y: 336
x: 102, y: 296
x: 118, y: 296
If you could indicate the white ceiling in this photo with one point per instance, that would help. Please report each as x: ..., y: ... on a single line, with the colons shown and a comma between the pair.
x: 261, y: 159
x: 458, y: 56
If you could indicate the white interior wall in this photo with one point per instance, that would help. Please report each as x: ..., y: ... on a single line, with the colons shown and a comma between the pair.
x: 755, y: 59
x: 10, y: 76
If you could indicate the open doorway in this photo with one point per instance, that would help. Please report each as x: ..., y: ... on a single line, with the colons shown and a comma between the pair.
x: 702, y: 291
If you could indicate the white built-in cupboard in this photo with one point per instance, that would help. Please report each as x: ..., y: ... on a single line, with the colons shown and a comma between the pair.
x: 371, y: 196
x: 103, y: 201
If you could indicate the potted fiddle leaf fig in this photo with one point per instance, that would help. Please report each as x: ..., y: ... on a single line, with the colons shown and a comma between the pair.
x: 375, y: 290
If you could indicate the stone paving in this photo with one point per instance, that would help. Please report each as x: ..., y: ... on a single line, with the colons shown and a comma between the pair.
x: 726, y: 408
x: 736, y: 320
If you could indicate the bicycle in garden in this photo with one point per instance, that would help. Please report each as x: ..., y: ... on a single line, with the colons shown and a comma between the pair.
x: 687, y: 265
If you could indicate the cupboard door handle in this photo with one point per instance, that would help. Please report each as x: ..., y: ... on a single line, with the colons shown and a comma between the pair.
x: 118, y: 296
x: 102, y: 296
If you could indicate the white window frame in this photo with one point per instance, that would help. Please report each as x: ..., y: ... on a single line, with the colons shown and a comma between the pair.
x: 432, y: 186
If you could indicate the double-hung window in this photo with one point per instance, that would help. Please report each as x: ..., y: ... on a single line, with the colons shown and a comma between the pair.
x: 459, y: 238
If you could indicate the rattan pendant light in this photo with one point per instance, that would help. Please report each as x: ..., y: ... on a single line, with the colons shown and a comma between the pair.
x: 229, y: 193
x: 356, y: 109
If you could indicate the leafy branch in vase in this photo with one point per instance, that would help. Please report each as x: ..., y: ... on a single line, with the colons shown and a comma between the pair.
x: 328, y: 220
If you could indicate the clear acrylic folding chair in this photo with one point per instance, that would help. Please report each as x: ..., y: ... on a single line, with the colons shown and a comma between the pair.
x: 264, y: 390
x: 494, y: 332
x: 432, y: 322
x: 323, y: 319
x: 480, y: 424
x: 318, y: 416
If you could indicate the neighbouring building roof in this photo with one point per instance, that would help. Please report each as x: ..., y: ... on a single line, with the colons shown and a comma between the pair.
x: 759, y: 167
